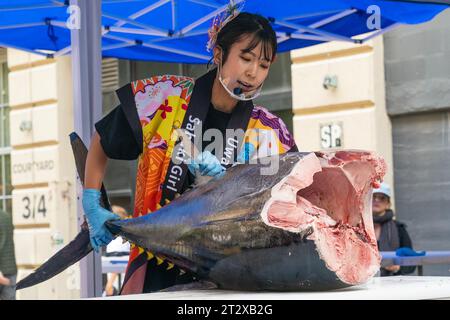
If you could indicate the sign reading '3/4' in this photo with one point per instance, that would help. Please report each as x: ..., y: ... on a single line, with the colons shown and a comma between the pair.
x: 31, y: 206
x: 331, y: 135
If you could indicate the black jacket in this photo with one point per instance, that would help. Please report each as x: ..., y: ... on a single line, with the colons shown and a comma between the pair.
x: 405, y: 241
x: 7, y: 256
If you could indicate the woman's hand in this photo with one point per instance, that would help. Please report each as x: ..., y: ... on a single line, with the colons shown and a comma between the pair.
x: 393, y: 268
x: 96, y: 218
x: 207, y: 164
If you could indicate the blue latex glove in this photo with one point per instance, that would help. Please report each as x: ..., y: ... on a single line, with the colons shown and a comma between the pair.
x: 207, y: 164
x: 96, y: 217
x: 405, y: 252
x: 246, y: 153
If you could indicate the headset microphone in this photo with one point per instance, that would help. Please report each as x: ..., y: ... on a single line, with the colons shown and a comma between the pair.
x: 234, y: 89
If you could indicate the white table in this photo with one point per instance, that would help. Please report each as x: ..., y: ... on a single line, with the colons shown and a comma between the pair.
x: 431, y: 257
x: 390, y: 288
x: 114, y: 264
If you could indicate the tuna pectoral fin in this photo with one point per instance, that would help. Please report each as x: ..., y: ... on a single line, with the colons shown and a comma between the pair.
x: 64, y: 258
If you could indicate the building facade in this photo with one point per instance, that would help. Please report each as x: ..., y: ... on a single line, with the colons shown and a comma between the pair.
x: 42, y: 167
x: 418, y: 103
x: 389, y: 95
x: 339, y: 99
x: 5, y: 145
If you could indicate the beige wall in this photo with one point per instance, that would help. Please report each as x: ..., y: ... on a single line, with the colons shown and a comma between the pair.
x: 357, y: 105
x: 43, y: 171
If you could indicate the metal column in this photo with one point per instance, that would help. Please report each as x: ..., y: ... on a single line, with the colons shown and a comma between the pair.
x: 87, y: 103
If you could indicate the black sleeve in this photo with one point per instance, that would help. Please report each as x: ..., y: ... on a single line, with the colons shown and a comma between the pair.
x: 405, y: 241
x: 3, y: 234
x: 117, y: 137
x: 188, y: 182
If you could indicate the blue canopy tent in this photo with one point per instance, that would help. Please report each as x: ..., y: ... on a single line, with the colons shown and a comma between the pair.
x: 176, y: 31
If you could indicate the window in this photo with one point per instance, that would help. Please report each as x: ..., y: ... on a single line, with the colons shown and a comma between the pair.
x: 5, y: 148
x: 120, y: 175
x: 276, y: 94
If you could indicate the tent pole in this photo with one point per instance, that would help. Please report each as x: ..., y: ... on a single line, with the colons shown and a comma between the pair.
x: 23, y: 25
x: 87, y: 104
x: 162, y: 48
x: 322, y: 33
x: 380, y: 32
x: 117, y: 46
x: 121, y: 23
x: 206, y: 18
x: 5, y: 45
x: 161, y: 32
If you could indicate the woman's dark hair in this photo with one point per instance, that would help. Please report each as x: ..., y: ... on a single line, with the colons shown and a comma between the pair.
x: 248, y: 24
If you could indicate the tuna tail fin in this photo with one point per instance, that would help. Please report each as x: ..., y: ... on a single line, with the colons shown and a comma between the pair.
x: 64, y: 258
x: 79, y: 247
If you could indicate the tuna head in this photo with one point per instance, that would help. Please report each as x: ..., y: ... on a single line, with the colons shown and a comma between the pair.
x: 308, y: 226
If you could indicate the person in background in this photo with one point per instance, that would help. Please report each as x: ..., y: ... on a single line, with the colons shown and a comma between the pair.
x: 391, y: 234
x: 117, y: 247
x: 8, y: 267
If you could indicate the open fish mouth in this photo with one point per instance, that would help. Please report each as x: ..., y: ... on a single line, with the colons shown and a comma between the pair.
x: 329, y: 195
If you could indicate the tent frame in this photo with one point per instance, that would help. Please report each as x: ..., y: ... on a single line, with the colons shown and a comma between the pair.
x: 310, y: 32
x: 87, y: 105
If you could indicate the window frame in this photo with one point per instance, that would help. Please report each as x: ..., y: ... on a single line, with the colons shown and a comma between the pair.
x: 5, y: 148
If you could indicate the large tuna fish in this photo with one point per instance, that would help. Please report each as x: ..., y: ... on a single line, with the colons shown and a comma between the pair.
x: 307, y: 227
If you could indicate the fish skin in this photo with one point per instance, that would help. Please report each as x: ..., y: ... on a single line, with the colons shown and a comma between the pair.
x: 230, y: 245
x: 217, y: 232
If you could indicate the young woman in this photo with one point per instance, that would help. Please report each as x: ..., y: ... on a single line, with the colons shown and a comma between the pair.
x: 142, y: 127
